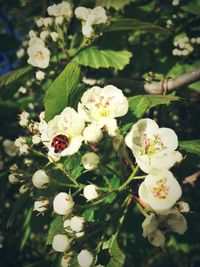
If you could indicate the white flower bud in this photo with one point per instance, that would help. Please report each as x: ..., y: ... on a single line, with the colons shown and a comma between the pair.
x: 117, y: 142
x: 90, y: 192
x: 36, y: 139
x: 198, y: 40
x: 32, y: 34
x: 61, y: 243
x: 13, y: 179
x: 77, y: 223
x: 90, y: 161
x: 10, y: 147
x: 44, y: 35
x: 47, y: 21
x: 85, y: 258
x: 63, y: 204
x: 54, y: 36
x: 92, y: 134
x: 157, y: 238
x: 175, y: 2
x: 40, y: 179
x: 13, y: 168
x: 183, y: 206
x: 20, y: 53
x: 22, y: 90
x: 193, y: 40
x: 65, y: 261
x: 41, y: 205
x: 23, y: 189
x: 39, y: 22
x: 59, y: 20
x: 80, y: 234
x: 40, y: 75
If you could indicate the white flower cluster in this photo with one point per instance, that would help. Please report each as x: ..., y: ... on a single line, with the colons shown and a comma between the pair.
x: 155, y: 152
x: 183, y: 46
x: 91, y: 17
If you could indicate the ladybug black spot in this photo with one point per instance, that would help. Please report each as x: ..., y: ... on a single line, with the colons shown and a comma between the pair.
x: 60, y: 143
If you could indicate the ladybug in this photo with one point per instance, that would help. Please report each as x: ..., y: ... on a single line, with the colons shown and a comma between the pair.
x: 60, y: 142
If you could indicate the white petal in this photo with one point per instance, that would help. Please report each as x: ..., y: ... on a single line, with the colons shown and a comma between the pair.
x: 168, y: 138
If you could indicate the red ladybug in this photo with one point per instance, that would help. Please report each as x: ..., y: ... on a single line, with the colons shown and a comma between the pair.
x: 60, y: 142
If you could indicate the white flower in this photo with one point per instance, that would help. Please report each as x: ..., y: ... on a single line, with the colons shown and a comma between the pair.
x: 87, y: 30
x: 183, y: 206
x: 110, y: 126
x: 24, y: 119
x: 90, y: 192
x: 91, y: 17
x: 54, y: 36
x: 36, y: 40
x: 90, y: 161
x: 65, y: 261
x: 153, y: 147
x: 160, y: 190
x: 61, y: 243
x: 102, y: 103
x: 92, y: 133
x: 40, y: 179
x: 10, y: 147
x: 157, y: 238
x: 47, y: 21
x: 13, y: 179
x: 40, y: 75
x: 36, y: 139
x: 39, y: 22
x: 41, y: 205
x: 85, y: 258
x: 63, y: 134
x: 44, y: 35
x: 59, y: 20
x: 77, y: 223
x: 62, y: 9
x: 20, y: 142
x: 13, y: 168
x: 63, y: 203
x: 38, y: 56
x: 23, y: 189
x: 20, y: 53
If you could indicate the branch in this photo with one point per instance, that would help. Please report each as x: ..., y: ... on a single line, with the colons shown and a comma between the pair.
x: 161, y: 87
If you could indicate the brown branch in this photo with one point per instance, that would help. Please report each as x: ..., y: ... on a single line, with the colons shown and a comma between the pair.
x: 167, y: 84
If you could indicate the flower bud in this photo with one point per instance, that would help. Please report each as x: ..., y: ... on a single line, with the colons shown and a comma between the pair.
x: 65, y: 261
x: 92, y: 134
x: 23, y: 189
x: 12, y: 179
x: 54, y: 36
x: 183, y: 206
x: 40, y: 75
x: 41, y: 205
x: 40, y: 179
x: 77, y: 223
x: 90, y: 161
x: 36, y: 139
x: 63, y: 203
x: 60, y: 243
x: 90, y: 192
x: 24, y: 119
x: 85, y: 258
x: 157, y: 238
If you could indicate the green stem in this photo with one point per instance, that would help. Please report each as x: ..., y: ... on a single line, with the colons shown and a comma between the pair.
x: 130, y: 178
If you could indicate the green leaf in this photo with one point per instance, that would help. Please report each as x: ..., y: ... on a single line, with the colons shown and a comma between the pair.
x: 26, y: 228
x: 192, y: 7
x: 58, y: 95
x: 73, y: 166
x: 134, y: 25
x: 89, y: 214
x: 116, y: 4
x: 117, y: 257
x: 95, y: 58
x: 191, y: 146
x: 56, y: 227
x: 14, y: 75
x: 195, y: 86
x: 141, y: 103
